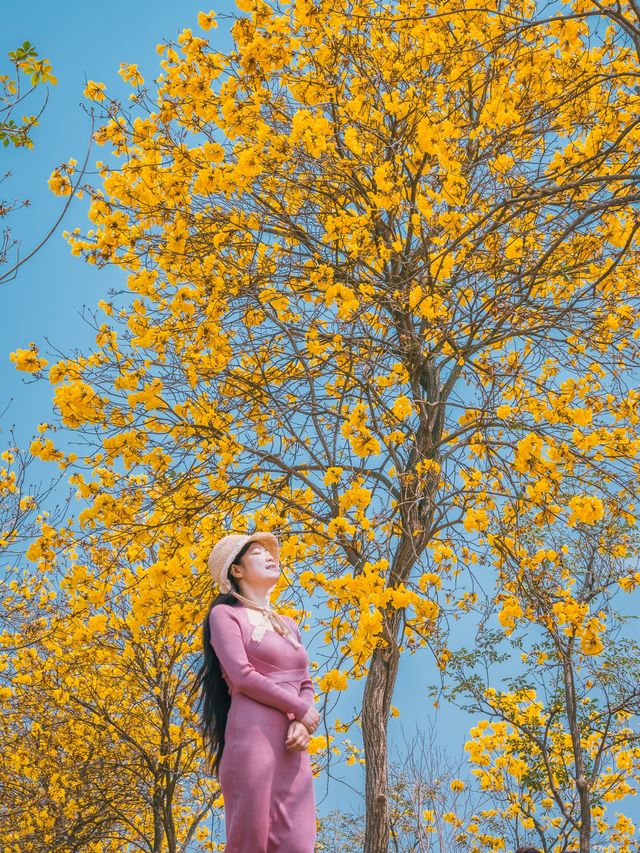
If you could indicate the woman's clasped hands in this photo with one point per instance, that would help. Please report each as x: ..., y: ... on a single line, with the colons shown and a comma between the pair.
x: 299, y: 730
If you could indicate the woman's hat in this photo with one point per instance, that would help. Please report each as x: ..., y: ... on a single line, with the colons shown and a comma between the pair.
x: 225, y: 550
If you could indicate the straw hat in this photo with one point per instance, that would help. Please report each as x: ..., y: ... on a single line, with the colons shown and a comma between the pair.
x: 226, y: 549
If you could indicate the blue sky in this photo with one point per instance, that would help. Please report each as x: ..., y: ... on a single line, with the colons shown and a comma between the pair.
x: 89, y: 41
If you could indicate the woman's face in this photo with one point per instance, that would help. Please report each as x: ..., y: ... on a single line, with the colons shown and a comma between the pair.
x: 258, y: 569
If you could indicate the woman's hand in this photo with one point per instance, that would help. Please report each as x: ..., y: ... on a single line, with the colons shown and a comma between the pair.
x: 297, y: 736
x: 311, y: 719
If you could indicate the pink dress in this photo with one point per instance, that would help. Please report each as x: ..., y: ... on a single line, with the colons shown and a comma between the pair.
x: 269, y: 799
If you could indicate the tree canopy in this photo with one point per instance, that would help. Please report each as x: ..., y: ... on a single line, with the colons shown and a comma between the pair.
x: 382, y: 299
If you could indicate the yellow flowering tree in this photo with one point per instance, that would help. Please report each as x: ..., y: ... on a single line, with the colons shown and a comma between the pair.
x: 27, y: 509
x: 558, y: 746
x: 429, y: 806
x: 98, y: 745
x: 378, y: 260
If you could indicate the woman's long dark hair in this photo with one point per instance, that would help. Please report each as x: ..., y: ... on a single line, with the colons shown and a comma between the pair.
x: 214, y: 700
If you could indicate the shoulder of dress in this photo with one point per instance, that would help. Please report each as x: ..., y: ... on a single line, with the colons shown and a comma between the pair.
x: 223, y: 611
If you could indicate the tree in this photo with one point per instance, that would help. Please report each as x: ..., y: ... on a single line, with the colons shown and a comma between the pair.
x: 428, y: 803
x: 378, y: 261
x: 26, y: 507
x: 99, y: 748
x: 561, y: 742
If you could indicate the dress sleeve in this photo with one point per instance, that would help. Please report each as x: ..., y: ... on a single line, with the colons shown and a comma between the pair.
x: 226, y: 639
x: 307, y: 690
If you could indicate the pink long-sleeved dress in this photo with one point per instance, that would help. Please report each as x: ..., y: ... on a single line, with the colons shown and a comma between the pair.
x: 269, y: 798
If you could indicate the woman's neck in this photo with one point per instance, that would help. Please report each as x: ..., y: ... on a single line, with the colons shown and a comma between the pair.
x: 248, y: 600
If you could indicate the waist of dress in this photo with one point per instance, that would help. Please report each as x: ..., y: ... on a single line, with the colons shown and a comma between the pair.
x: 287, y: 674
x: 277, y: 676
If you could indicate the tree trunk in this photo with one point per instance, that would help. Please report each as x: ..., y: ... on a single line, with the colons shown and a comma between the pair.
x: 376, y: 704
x: 582, y: 783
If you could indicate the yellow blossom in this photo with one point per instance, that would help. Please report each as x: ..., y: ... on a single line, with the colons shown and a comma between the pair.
x: 94, y: 91
x: 28, y: 360
x: 402, y: 407
x: 131, y: 74
x: 207, y: 20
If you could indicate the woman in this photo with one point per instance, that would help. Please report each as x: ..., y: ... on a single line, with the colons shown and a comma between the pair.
x: 258, y: 703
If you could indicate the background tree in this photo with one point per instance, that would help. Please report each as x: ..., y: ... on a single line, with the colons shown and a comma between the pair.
x: 99, y: 747
x: 379, y: 260
x: 428, y: 802
x: 561, y: 741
